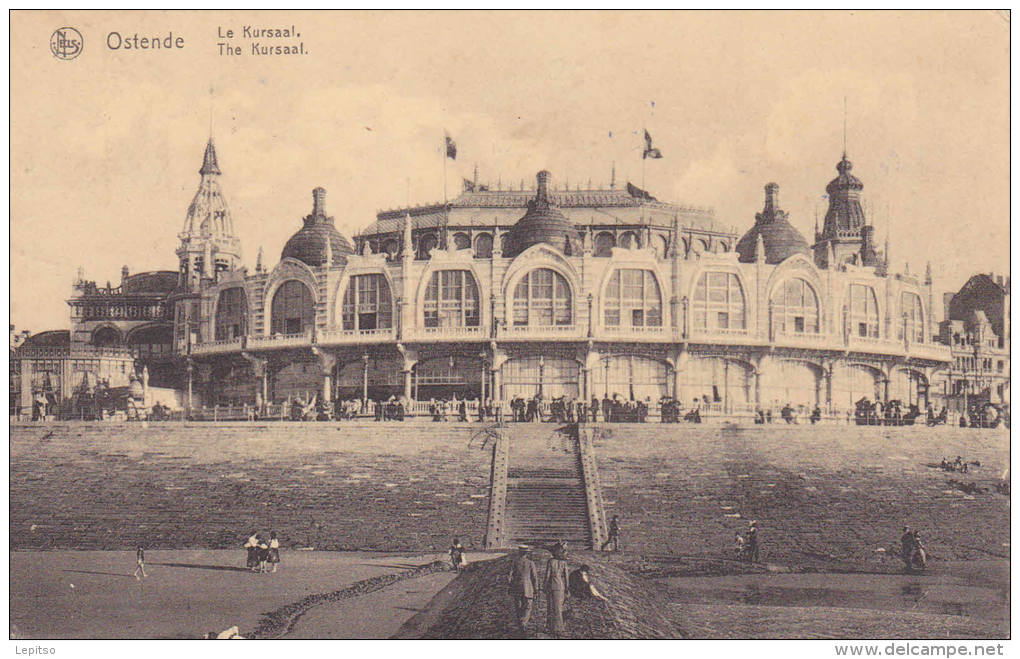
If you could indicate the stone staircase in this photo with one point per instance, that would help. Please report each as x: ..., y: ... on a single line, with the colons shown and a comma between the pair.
x: 546, y: 498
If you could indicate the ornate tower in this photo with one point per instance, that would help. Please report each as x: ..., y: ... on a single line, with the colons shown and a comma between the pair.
x: 208, y: 244
x: 846, y: 236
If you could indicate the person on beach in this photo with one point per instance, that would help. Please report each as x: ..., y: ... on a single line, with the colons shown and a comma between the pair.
x: 555, y: 586
x: 274, y: 550
x: 581, y: 587
x: 252, y: 545
x: 458, y: 555
x: 906, y: 546
x: 140, y: 562
x: 263, y: 556
x: 752, y: 542
x: 739, y: 545
x: 523, y: 580
x: 614, y: 535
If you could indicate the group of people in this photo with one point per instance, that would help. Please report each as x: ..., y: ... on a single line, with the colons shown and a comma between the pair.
x: 747, y: 547
x: 558, y: 581
x: 262, y: 553
x: 956, y: 465
x: 911, y: 550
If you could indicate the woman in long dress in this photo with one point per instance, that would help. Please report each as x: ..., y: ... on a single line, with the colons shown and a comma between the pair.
x: 274, y: 550
x: 557, y: 574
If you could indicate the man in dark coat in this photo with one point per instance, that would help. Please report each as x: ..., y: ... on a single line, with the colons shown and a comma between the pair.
x: 523, y: 580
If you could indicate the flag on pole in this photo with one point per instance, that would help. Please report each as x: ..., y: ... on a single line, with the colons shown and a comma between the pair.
x: 451, y: 148
x: 650, y: 151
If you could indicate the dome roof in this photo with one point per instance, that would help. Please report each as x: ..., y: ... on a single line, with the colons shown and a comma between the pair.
x: 543, y: 223
x: 318, y: 237
x: 780, y: 239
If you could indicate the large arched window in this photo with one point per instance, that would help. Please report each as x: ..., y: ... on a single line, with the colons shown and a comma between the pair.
x: 795, y: 308
x: 604, y: 244
x: 632, y: 299
x: 368, y: 304
x: 719, y: 302
x: 483, y: 246
x: 231, y: 314
x: 451, y: 299
x: 863, y: 311
x: 541, y: 298
x: 293, y: 310
x: 913, y: 317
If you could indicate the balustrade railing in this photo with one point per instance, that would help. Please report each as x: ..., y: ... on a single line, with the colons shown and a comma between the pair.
x: 280, y: 340
x: 331, y: 336
x: 213, y: 347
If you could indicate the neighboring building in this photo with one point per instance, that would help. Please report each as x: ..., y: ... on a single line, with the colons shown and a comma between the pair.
x: 560, y: 292
x: 977, y: 330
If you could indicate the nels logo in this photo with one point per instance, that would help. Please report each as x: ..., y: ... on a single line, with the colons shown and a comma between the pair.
x: 66, y: 43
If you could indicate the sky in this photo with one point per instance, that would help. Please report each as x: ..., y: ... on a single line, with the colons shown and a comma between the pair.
x: 105, y: 148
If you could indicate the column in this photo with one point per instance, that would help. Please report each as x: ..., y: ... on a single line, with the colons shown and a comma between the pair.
x: 585, y: 379
x: 726, y: 387
x: 828, y: 387
x: 885, y: 390
x: 497, y: 384
x: 364, y: 383
x: 757, y: 388
x: 407, y: 383
x: 327, y: 364
x: 191, y: 374
x: 26, y: 387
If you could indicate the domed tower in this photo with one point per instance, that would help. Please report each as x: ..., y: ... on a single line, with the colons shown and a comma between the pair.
x: 543, y: 223
x: 208, y: 244
x: 846, y: 234
x: 779, y: 239
x: 318, y: 242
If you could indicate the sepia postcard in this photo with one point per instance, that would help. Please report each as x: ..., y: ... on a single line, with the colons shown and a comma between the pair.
x: 511, y: 325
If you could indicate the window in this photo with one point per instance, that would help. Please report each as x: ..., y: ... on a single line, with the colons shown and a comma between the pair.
x: 630, y: 240
x: 604, y: 244
x: 426, y: 244
x: 795, y: 308
x: 661, y: 246
x: 231, y: 314
x: 367, y: 303
x: 632, y: 299
x: 451, y: 300
x: 863, y: 311
x: 542, y: 298
x: 293, y: 310
x: 913, y: 318
x: 461, y: 241
x: 719, y: 302
x: 483, y: 246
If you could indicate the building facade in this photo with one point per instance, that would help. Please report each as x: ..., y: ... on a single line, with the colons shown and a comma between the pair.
x: 556, y: 292
x: 977, y: 331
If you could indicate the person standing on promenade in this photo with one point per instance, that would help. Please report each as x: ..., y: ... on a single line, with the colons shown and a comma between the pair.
x: 614, y: 534
x: 458, y: 556
x: 140, y: 562
x: 252, y: 545
x: 523, y: 580
x: 557, y: 574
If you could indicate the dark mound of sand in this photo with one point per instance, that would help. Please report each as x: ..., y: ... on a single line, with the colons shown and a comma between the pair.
x: 477, y: 604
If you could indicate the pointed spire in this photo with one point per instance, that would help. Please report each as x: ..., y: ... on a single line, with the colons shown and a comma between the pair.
x: 209, y: 164
x: 927, y: 273
x: 612, y: 177
x: 258, y: 260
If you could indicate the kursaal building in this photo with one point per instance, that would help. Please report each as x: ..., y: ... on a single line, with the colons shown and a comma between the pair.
x: 557, y: 292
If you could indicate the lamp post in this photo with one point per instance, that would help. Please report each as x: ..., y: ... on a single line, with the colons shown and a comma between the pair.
x: 364, y: 382
x: 481, y: 358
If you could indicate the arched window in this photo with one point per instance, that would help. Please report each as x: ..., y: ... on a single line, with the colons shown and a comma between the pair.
x: 391, y: 248
x: 719, y: 302
x: 913, y: 317
x: 661, y: 246
x: 368, y: 304
x: 451, y: 300
x: 795, y: 308
x: 231, y: 314
x: 631, y: 376
x: 293, y: 310
x: 630, y: 240
x: 542, y: 298
x: 723, y: 247
x: 461, y: 241
x: 632, y: 299
x: 426, y: 244
x: 106, y: 336
x: 863, y: 311
x: 701, y: 245
x: 483, y: 246
x: 604, y: 244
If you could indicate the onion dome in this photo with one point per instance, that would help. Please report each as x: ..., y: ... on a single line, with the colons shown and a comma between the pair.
x: 318, y: 240
x: 845, y: 216
x: 543, y: 223
x: 779, y: 239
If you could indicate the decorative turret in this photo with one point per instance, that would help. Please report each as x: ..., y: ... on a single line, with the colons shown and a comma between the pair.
x: 208, y: 244
x: 845, y: 231
x: 772, y: 237
x: 543, y: 223
x: 318, y: 242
